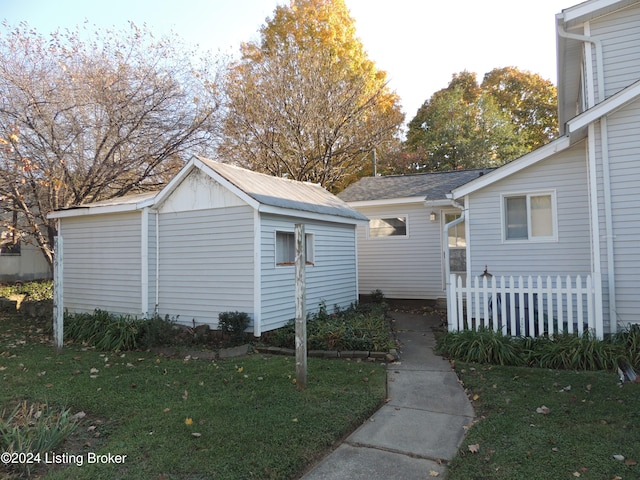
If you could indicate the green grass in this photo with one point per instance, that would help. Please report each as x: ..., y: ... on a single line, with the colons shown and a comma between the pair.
x: 251, y: 419
x: 591, y: 418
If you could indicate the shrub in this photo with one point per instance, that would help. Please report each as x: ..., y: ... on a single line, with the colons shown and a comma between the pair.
x: 157, y: 331
x: 35, y: 291
x: 362, y: 327
x: 234, y: 324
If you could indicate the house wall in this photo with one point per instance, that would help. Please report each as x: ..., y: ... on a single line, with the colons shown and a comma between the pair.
x: 205, y: 252
x: 332, y: 278
x: 623, y: 149
x: 102, y: 263
x: 620, y: 36
x: 402, y: 267
x: 30, y: 264
x: 564, y: 173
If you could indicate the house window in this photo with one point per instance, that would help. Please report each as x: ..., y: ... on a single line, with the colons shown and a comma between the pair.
x: 456, y: 233
x: 529, y: 217
x: 286, y: 248
x: 388, y: 227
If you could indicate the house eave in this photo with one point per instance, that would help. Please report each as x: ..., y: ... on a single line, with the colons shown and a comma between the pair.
x: 305, y: 215
x: 100, y: 210
x: 604, y: 108
x: 521, y: 163
x: 387, y: 201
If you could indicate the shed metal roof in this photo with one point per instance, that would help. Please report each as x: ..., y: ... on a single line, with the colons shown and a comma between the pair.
x: 431, y: 186
x: 283, y: 192
x: 280, y: 193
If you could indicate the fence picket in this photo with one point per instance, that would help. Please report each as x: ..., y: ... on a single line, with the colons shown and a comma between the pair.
x: 527, y: 307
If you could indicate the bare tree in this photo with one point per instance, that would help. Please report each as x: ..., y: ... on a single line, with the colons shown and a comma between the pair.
x: 89, y: 116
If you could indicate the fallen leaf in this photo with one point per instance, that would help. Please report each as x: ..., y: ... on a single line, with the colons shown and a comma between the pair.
x: 576, y: 474
x: 94, y: 370
x: 78, y: 416
x: 185, y: 395
x: 295, y: 420
x: 188, y: 421
x: 474, y: 448
x: 433, y: 473
x: 543, y: 410
x: 630, y: 462
x: 476, y: 397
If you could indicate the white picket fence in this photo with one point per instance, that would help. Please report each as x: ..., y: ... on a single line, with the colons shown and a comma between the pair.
x: 526, y: 306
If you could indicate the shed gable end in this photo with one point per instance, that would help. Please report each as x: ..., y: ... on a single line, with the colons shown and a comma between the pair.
x: 198, y: 191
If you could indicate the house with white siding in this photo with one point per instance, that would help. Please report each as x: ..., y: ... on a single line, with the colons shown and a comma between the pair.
x: 401, y: 250
x: 216, y: 238
x: 572, y: 207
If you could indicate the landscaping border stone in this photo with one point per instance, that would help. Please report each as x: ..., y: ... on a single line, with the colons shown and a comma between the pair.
x: 390, y: 356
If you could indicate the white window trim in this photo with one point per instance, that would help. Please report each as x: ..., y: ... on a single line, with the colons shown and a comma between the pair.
x: 308, y: 235
x: 391, y: 215
x: 528, y: 194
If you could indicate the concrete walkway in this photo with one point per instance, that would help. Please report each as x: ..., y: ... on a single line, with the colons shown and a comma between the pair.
x: 421, y: 427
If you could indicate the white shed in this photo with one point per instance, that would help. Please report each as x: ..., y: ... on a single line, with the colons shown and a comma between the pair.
x: 216, y: 238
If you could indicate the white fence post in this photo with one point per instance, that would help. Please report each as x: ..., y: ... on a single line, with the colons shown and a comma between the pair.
x: 58, y: 305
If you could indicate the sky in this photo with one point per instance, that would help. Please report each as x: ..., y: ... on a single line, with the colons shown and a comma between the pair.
x: 419, y: 43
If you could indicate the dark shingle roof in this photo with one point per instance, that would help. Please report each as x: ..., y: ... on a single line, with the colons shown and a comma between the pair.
x: 432, y: 186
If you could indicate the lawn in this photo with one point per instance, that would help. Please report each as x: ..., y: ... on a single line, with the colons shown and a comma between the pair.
x: 185, y: 418
x: 544, y: 424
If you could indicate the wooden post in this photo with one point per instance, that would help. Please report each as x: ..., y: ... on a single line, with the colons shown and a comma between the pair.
x: 58, y: 307
x: 301, y: 317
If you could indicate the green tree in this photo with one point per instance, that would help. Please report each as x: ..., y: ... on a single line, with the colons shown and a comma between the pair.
x: 530, y: 101
x: 468, y: 125
x: 90, y: 116
x: 305, y: 101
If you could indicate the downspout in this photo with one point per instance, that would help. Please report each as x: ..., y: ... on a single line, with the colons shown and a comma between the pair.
x: 447, y: 265
x: 157, y: 302
x: 257, y: 273
x: 606, y: 173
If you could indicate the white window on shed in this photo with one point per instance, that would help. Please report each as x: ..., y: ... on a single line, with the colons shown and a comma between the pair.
x: 529, y: 217
x: 286, y: 248
x: 388, y: 227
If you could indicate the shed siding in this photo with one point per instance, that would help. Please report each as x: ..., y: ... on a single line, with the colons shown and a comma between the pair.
x: 206, y: 263
x: 624, y: 158
x: 331, y: 280
x: 620, y: 35
x: 102, y: 263
x: 402, y: 267
x: 564, y: 173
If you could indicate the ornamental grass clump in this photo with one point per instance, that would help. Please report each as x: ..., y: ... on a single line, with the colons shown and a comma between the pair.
x: 105, y: 331
x: 32, y: 429
x: 561, y: 351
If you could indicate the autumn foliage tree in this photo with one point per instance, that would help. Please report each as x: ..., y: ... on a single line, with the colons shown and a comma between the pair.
x: 305, y: 101
x: 86, y: 116
x: 471, y: 125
